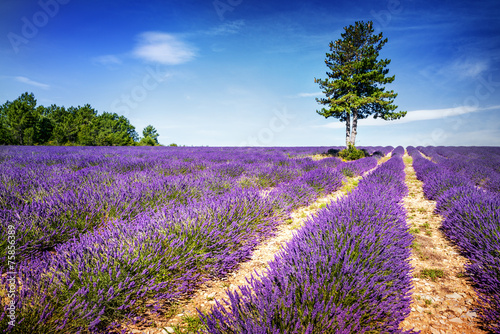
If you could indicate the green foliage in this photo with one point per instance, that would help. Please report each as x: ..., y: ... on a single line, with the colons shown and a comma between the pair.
x: 355, y: 86
x: 173, y: 144
x: 432, y: 274
x: 414, y: 231
x: 351, y: 153
x: 349, y: 185
x: 191, y: 323
x: 147, y: 141
x: 19, y: 119
x: 23, y: 123
x: 150, y: 131
x: 347, y: 172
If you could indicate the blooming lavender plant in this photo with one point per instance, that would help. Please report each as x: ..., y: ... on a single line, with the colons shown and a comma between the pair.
x: 472, y: 216
x: 115, y: 227
x: 346, y: 271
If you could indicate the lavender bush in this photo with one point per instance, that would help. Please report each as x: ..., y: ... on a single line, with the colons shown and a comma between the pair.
x: 346, y: 271
x: 471, y: 218
x: 104, y: 233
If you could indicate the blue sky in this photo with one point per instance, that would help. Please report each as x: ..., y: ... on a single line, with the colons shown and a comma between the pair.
x: 240, y: 72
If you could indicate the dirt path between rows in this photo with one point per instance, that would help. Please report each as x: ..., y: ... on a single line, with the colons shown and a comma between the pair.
x: 443, y: 301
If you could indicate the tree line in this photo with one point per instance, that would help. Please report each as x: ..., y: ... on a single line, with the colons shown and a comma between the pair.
x: 22, y: 122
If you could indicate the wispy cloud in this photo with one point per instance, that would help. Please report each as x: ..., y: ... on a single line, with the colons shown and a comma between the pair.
x: 228, y: 28
x: 107, y: 60
x: 417, y: 115
x: 31, y: 82
x: 468, y: 68
x: 463, y: 68
x: 163, y: 48
x: 305, y: 95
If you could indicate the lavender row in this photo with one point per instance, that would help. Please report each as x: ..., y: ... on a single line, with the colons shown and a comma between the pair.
x: 87, y: 283
x: 480, y: 164
x: 346, y: 271
x: 49, y: 203
x: 472, y: 222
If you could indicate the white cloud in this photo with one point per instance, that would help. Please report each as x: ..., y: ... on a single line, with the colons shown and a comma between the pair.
x: 163, y: 48
x: 416, y: 115
x: 228, y: 28
x: 107, y: 60
x: 463, y: 68
x: 468, y: 68
x: 306, y: 95
x: 31, y: 82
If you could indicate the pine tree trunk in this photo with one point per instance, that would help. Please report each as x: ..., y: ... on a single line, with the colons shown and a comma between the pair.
x: 347, y: 130
x: 354, y: 131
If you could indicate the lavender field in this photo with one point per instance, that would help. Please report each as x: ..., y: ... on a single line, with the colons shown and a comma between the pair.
x: 95, y: 238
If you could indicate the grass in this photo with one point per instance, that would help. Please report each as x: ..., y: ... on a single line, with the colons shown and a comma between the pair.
x: 414, y: 230
x: 349, y: 186
x: 193, y: 323
x: 427, y: 227
x: 383, y: 159
x: 189, y: 324
x: 416, y: 246
x: 431, y: 274
x: 408, y: 160
x: 418, y: 250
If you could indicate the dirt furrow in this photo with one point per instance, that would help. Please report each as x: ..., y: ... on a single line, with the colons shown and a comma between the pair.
x: 443, y: 300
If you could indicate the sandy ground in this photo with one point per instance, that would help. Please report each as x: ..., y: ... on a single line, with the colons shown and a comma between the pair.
x: 441, y: 304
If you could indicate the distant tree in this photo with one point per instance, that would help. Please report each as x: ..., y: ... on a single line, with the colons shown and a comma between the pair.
x: 67, y: 125
x: 114, y: 130
x: 22, y: 123
x: 5, y: 135
x: 44, y: 126
x: 147, y: 141
x: 355, y: 88
x: 19, y: 120
x: 150, y: 131
x: 127, y: 130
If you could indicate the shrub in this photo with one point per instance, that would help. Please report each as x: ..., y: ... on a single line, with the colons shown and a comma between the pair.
x: 351, y: 153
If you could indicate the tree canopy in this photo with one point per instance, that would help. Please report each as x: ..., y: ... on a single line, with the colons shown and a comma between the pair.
x: 22, y: 122
x: 354, y: 88
x: 150, y: 135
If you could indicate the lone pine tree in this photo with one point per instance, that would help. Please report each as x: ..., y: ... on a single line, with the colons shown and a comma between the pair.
x: 355, y: 88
